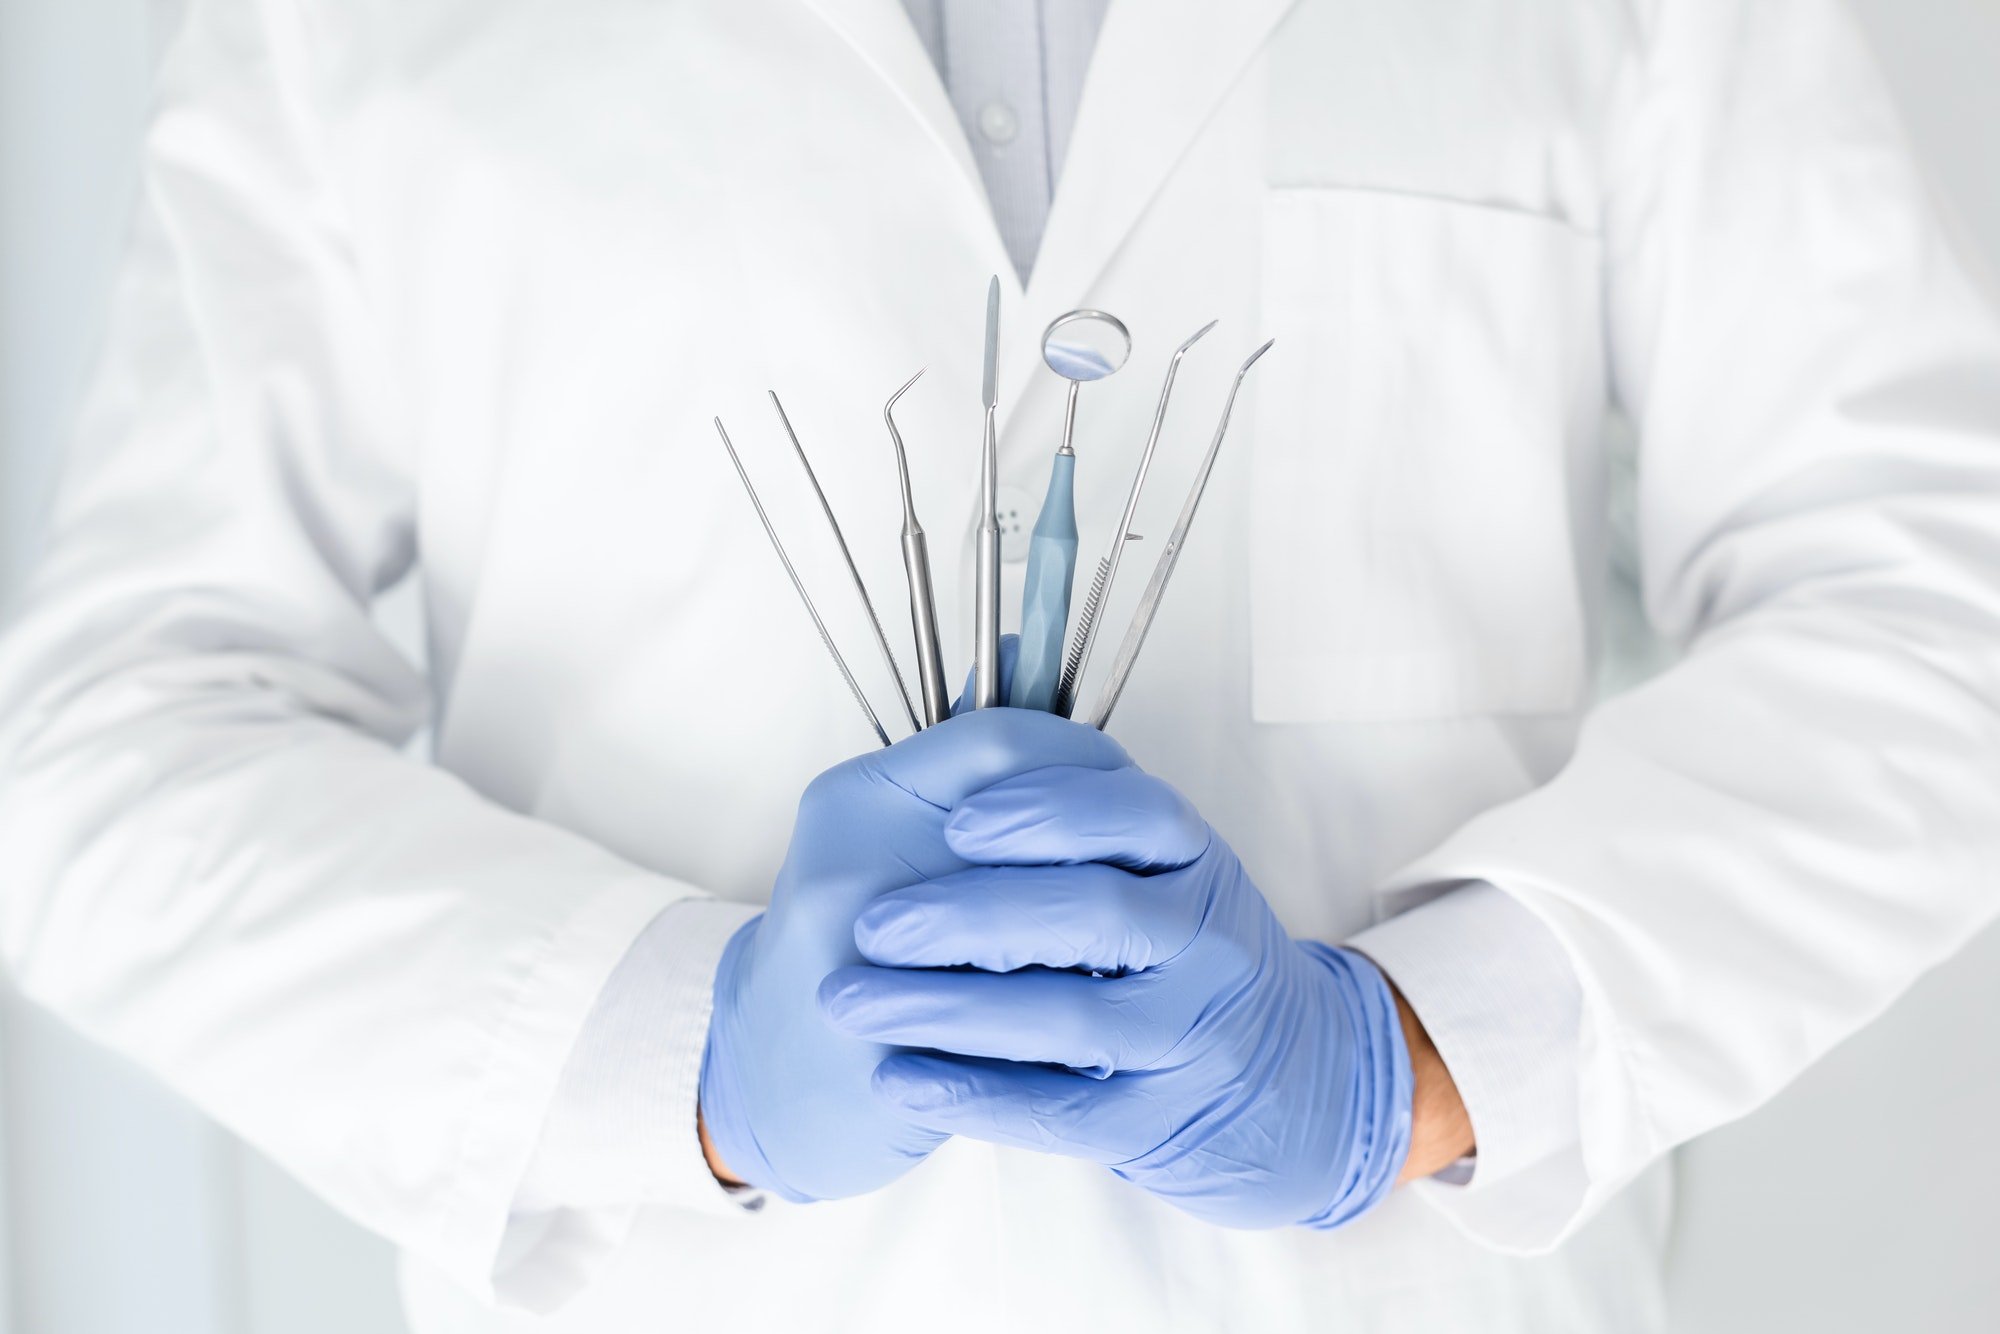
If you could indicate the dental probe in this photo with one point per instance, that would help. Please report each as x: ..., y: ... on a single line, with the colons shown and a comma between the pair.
x: 1107, y: 567
x: 867, y: 603
x: 1163, y: 569
x: 804, y: 596
x: 917, y: 566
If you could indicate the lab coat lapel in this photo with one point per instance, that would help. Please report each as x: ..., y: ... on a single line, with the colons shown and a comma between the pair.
x: 883, y: 38
x: 1160, y: 69
x: 1158, y: 72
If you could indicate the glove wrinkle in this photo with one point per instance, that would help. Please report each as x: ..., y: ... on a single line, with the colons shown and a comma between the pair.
x: 792, y: 1102
x: 1207, y: 1057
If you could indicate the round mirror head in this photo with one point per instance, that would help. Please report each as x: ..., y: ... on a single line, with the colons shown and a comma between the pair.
x: 1086, y: 345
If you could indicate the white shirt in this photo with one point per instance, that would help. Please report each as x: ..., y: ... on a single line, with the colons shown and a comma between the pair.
x: 1014, y: 71
x: 455, y: 289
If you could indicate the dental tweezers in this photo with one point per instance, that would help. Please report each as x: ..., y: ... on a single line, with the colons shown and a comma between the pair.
x: 1107, y: 567
x: 1163, y: 569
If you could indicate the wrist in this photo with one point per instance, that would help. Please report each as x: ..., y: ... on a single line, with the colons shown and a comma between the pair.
x: 724, y: 1100
x: 716, y: 1166
x: 1440, y: 1128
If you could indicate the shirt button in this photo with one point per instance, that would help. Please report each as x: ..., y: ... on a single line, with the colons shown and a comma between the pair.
x: 998, y: 123
x: 1017, y: 521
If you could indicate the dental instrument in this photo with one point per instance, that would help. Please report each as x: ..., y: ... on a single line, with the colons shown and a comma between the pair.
x: 867, y: 603
x: 917, y: 566
x: 986, y: 592
x: 804, y: 596
x: 1163, y: 569
x: 1107, y: 567
x: 1081, y: 346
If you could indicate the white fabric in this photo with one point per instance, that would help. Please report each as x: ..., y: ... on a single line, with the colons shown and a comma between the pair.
x: 468, y: 281
x: 1497, y: 995
x: 1495, y: 992
x: 621, y: 1130
x: 1022, y: 62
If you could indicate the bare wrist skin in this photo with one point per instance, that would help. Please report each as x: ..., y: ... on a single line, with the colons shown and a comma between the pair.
x: 715, y: 1163
x: 1440, y: 1130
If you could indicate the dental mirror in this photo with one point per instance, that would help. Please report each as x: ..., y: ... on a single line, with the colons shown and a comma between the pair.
x: 1082, y: 346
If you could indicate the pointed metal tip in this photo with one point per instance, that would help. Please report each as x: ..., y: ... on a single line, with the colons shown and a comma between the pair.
x: 1194, y: 338
x: 785, y: 420
x: 1254, y: 355
x: 889, y: 407
x: 730, y: 445
x: 989, y: 394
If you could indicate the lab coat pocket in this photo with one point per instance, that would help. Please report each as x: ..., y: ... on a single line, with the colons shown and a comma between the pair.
x: 1427, y: 416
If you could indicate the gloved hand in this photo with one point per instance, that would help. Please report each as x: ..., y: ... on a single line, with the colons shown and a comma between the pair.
x: 1137, y: 1005
x: 787, y: 1101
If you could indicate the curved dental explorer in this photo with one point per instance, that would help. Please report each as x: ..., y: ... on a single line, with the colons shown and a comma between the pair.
x: 867, y: 603
x: 986, y: 544
x: 917, y: 565
x: 1163, y: 569
x: 804, y: 597
x: 1107, y: 567
x: 1081, y: 346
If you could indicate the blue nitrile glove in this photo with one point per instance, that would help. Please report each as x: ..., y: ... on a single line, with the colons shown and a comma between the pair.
x: 1249, y: 1078
x: 787, y: 1101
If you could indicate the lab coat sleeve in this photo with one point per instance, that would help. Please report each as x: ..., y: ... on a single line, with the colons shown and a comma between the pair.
x: 1752, y: 855
x: 213, y: 855
x: 1498, y: 998
x: 619, y: 1136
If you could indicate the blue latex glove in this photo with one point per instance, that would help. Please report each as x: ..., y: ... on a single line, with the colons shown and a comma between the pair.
x: 788, y: 1102
x: 1138, y: 1005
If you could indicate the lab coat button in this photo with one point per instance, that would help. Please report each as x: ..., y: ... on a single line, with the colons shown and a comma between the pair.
x: 1017, y: 521
x: 998, y: 122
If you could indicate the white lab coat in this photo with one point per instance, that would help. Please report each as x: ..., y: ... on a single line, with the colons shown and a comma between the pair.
x: 454, y: 287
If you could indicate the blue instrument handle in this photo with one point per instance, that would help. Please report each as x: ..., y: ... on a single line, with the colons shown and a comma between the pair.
x: 1045, y: 599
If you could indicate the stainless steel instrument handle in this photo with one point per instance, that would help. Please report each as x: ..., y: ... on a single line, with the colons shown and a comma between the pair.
x: 986, y: 591
x: 923, y: 624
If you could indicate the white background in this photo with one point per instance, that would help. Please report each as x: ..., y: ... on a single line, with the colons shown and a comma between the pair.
x: 1865, y: 1198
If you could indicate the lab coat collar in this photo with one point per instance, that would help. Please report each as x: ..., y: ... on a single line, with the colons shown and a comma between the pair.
x: 881, y: 34
x: 1159, y: 70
